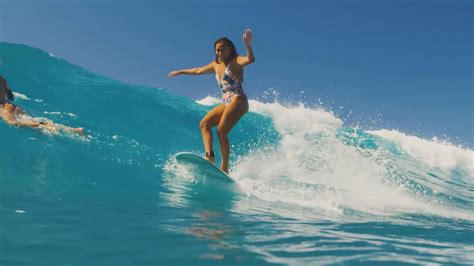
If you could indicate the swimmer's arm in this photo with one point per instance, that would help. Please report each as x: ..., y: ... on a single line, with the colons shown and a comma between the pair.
x: 207, y: 69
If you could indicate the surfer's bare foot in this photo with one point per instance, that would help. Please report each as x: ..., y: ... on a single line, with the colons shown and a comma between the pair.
x: 225, y: 170
x: 210, y: 157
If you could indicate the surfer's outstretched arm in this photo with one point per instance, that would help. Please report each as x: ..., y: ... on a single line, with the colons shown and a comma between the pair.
x: 207, y: 69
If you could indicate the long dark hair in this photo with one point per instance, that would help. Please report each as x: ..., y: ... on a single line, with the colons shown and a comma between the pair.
x: 228, y: 43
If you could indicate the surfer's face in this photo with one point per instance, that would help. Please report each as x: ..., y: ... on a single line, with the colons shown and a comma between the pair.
x: 222, y: 51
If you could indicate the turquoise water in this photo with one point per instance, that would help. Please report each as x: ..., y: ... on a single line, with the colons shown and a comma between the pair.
x: 308, y: 190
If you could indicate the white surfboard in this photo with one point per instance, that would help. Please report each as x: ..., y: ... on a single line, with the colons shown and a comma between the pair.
x: 202, y: 166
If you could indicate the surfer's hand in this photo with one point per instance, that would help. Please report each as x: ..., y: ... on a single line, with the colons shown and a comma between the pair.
x: 247, y: 36
x: 173, y: 74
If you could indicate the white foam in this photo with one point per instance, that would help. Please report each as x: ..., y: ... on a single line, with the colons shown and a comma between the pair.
x: 434, y: 153
x: 52, y: 113
x: 25, y: 98
x: 21, y: 96
x: 59, y: 113
x: 311, y: 167
x: 176, y: 178
x: 209, y: 100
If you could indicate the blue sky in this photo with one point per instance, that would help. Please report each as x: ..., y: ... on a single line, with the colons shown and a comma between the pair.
x: 406, y: 64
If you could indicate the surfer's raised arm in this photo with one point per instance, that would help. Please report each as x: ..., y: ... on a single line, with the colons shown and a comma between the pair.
x: 250, y: 58
x: 207, y: 69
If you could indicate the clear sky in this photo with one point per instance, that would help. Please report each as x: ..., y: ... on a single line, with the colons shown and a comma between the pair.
x: 406, y: 64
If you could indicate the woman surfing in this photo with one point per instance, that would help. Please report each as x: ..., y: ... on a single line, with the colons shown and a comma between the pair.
x: 228, y: 67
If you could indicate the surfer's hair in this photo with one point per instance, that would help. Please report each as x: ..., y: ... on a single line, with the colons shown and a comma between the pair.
x: 233, y: 52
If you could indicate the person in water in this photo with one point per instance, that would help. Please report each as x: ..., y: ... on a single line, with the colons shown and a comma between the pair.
x: 16, y: 116
x: 228, y: 67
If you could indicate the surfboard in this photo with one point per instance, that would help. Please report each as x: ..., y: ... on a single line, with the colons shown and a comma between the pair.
x: 201, y: 166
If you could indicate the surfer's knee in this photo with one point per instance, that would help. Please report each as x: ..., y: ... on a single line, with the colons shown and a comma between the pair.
x: 204, y: 124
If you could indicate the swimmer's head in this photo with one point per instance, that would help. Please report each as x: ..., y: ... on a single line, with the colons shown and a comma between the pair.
x: 225, y: 50
x: 5, y: 91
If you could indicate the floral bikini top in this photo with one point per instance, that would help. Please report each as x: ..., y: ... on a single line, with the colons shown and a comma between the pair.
x: 230, y: 85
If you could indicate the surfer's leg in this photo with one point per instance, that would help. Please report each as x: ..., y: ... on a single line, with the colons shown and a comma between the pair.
x: 210, y: 120
x: 233, y: 112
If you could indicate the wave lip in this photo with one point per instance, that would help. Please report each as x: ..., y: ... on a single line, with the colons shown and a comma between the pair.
x: 318, y: 163
x: 434, y: 153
